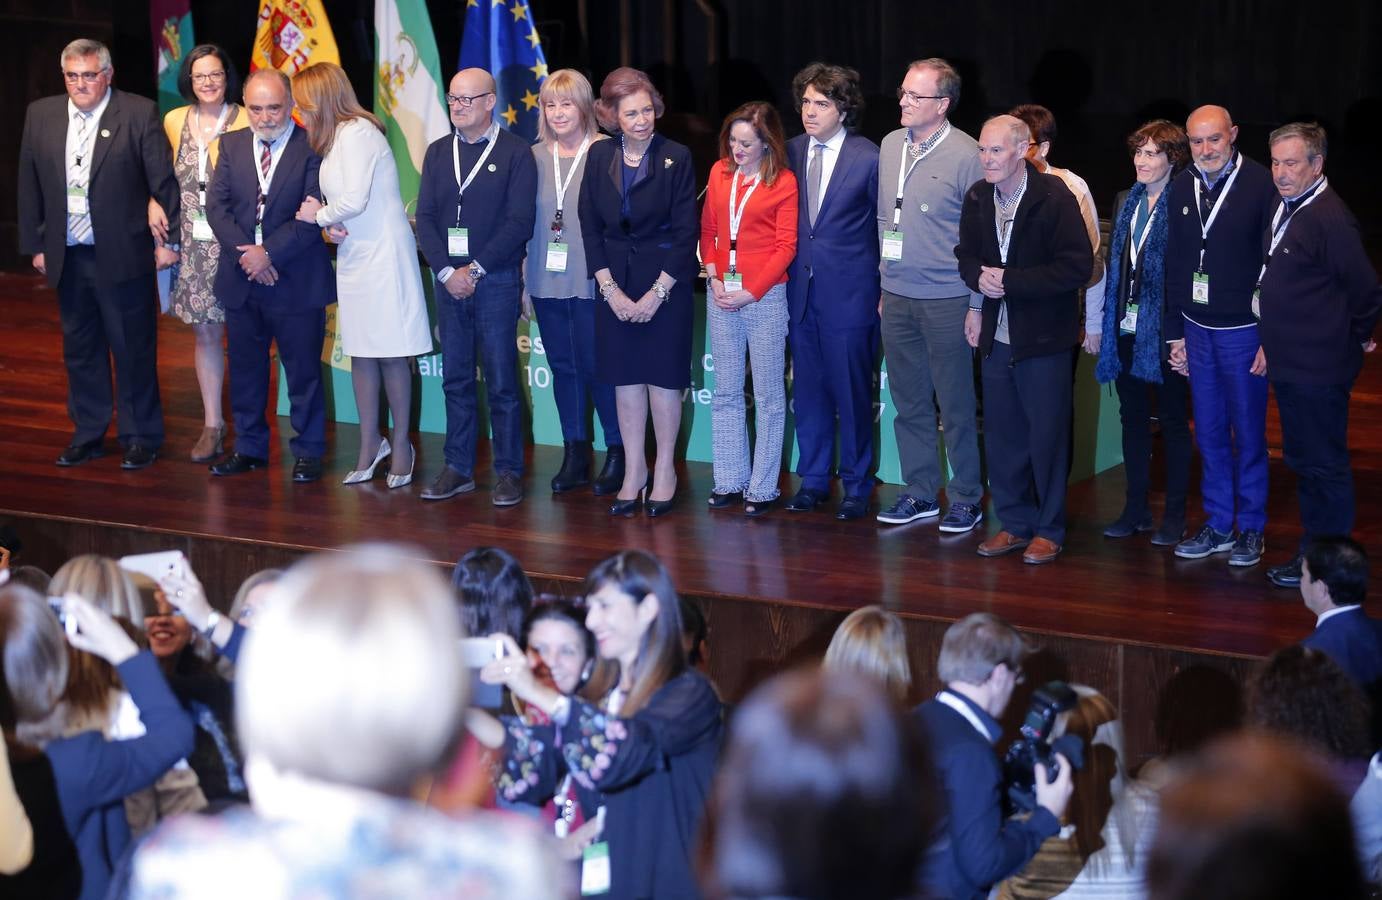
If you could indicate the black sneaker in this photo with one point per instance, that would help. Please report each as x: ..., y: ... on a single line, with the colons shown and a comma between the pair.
x: 909, y: 509
x: 961, y: 517
x: 1207, y: 542
x: 1248, y: 550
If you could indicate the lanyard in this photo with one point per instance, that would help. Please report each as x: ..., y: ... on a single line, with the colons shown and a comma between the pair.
x: 1279, y: 232
x: 1014, y: 202
x: 556, y: 179
x: 1206, y: 224
x: 904, y: 171
x: 492, y: 134
x: 84, y: 149
x: 274, y: 157
x: 736, y: 213
x: 1135, y: 255
x: 963, y: 709
x: 204, y: 149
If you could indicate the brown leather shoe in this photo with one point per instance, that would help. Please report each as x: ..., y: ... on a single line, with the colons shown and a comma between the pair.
x: 210, y: 445
x: 1041, y: 551
x: 1002, y: 543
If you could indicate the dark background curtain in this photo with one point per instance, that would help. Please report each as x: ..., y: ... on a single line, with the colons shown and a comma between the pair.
x: 1102, y: 68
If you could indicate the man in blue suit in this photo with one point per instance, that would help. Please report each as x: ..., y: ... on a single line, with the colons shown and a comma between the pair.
x: 1334, y: 583
x: 833, y: 290
x: 274, y: 278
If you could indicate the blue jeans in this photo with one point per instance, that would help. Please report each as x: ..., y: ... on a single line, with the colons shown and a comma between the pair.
x: 484, y: 326
x: 568, y: 337
x: 1230, y: 405
x: 1314, y: 445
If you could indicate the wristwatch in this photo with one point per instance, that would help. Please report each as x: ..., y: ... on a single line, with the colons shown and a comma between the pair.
x: 661, y: 291
x: 476, y: 273
x: 211, y: 622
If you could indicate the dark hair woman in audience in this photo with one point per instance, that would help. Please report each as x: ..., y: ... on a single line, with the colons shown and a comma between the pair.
x: 825, y: 794
x: 73, y: 787
x: 349, y: 695
x: 638, y: 218
x: 649, y: 745
x: 494, y: 592
x: 1132, y: 353
x: 748, y: 238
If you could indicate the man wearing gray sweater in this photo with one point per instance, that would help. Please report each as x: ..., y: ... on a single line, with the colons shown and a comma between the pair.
x: 925, y: 301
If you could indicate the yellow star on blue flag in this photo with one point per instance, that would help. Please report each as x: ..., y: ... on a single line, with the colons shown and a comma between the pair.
x: 501, y: 38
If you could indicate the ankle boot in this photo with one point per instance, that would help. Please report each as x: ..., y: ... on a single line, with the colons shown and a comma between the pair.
x: 611, y: 477
x: 1172, y: 527
x: 575, y: 467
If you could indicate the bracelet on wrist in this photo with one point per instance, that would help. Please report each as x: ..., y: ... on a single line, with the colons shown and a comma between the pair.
x: 608, y: 289
x: 661, y: 291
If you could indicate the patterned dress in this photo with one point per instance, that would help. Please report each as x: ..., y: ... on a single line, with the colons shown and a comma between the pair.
x: 193, y: 300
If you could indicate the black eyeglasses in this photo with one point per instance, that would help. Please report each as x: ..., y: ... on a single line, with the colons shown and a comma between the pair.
x: 913, y: 97
x: 87, y: 77
x: 463, y: 101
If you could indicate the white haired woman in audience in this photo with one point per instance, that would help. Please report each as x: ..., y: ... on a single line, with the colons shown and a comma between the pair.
x: 872, y: 642
x: 72, y: 787
x: 350, y: 693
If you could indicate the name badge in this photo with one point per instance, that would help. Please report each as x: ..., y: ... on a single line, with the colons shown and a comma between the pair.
x: 458, y: 242
x: 1199, y: 287
x: 733, y: 281
x: 595, y: 870
x: 1257, y: 303
x: 76, y: 200
x: 259, y: 234
x: 201, y: 229
x: 892, y: 245
x: 1129, y: 323
x: 556, y: 256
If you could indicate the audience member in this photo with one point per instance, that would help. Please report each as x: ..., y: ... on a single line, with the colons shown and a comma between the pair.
x: 1334, y: 585
x: 331, y: 761
x: 976, y: 846
x: 872, y: 642
x: 1253, y: 818
x: 650, y: 745
x: 252, y: 593
x: 494, y: 592
x: 16, y: 831
x: 72, y: 786
x: 825, y: 793
x: 31, y: 577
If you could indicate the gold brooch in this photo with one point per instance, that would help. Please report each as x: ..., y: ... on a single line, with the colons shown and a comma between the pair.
x: 667, y: 162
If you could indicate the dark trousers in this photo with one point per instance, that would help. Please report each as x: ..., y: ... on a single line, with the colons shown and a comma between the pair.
x: 1314, y: 445
x: 1027, y: 409
x: 1135, y: 410
x: 832, y: 378
x: 482, y: 328
x: 250, y: 329
x: 568, y: 337
x: 100, y: 322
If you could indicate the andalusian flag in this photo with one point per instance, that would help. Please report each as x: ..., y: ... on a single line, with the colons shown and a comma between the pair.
x: 172, y: 25
x: 408, y: 89
x: 501, y: 38
x: 292, y: 34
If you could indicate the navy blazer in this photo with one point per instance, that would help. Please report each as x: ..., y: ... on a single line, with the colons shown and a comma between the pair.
x: 299, y: 254
x: 1354, y: 641
x: 840, y: 251
x: 662, y: 227
x: 975, y: 846
x: 131, y: 161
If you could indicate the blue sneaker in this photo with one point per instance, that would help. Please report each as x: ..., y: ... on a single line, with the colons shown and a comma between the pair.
x: 961, y: 517
x: 909, y: 509
x: 1206, y: 543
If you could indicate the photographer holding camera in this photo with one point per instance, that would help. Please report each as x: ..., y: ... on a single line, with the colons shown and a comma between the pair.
x: 976, y: 846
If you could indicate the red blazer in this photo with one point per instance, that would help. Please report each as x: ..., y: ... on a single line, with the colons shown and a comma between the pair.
x: 767, y: 234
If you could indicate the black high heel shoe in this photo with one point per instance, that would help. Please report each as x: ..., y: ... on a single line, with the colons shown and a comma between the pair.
x: 723, y: 501
x: 661, y: 507
x: 629, y: 508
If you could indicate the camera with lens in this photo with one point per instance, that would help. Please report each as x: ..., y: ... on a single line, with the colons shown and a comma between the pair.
x: 1035, y: 745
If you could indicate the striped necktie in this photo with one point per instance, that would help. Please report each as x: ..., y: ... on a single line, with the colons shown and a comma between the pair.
x: 265, y: 163
x: 79, y: 176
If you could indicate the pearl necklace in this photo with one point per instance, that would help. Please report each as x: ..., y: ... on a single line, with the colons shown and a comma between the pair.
x: 630, y: 158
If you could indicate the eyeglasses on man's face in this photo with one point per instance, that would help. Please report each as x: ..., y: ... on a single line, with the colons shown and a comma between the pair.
x: 913, y: 97
x: 85, y: 77
x: 463, y: 101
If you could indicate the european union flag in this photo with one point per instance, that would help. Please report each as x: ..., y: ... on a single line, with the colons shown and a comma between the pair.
x: 500, y: 37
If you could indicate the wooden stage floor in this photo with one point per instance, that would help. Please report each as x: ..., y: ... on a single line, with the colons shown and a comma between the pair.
x: 1123, y: 593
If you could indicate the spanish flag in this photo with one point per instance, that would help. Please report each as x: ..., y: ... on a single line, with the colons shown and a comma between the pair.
x: 292, y: 34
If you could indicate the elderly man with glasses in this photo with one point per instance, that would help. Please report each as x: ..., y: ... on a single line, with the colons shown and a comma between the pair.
x: 476, y: 205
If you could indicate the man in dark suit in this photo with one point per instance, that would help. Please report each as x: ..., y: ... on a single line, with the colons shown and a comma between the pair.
x: 88, y: 164
x: 1023, y: 245
x: 981, y: 663
x: 283, y: 282
x: 833, y: 290
x: 1319, y: 303
x: 1334, y: 584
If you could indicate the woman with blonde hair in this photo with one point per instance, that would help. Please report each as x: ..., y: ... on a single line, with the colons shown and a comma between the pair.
x: 560, y: 287
x: 872, y: 642
x: 381, y: 311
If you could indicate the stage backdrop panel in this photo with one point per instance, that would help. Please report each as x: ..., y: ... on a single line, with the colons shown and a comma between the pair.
x: 1097, y: 437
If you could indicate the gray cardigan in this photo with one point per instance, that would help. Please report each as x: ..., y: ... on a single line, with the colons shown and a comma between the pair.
x: 537, y: 280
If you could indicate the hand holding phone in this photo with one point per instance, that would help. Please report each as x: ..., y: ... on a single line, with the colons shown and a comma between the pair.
x: 158, y: 566
x: 93, y: 630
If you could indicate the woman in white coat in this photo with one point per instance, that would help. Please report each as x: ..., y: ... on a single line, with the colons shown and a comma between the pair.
x: 381, y: 312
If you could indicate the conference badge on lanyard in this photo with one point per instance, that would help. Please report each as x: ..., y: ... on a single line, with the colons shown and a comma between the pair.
x: 556, y: 256
x: 595, y: 871
x: 892, y: 245
x: 1199, y: 287
x: 76, y: 200
x: 458, y: 242
x: 201, y: 228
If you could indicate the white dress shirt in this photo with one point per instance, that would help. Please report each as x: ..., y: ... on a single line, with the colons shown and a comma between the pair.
x: 829, y: 157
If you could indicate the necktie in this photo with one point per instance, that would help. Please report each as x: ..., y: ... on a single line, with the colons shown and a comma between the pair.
x: 265, y: 161
x: 813, y: 180
x: 80, y: 176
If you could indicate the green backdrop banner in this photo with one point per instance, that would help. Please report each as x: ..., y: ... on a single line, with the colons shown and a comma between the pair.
x: 1097, y: 436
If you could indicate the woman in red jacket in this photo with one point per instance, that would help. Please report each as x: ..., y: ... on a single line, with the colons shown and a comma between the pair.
x: 748, y: 238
